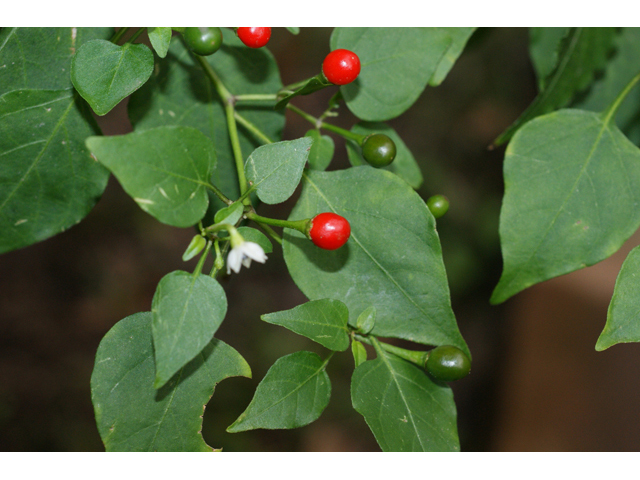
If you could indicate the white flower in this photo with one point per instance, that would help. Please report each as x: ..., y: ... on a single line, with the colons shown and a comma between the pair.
x: 242, y: 254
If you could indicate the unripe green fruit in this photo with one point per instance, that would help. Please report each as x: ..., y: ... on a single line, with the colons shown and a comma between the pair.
x: 203, y: 40
x: 438, y: 205
x: 447, y: 363
x: 378, y: 150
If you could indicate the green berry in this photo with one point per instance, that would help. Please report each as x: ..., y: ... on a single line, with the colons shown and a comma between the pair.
x: 378, y: 150
x: 203, y: 40
x: 447, y: 363
x: 438, y: 205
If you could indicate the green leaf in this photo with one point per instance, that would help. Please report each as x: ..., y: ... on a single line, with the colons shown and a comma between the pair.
x: 293, y: 393
x: 105, y: 73
x: 293, y: 30
x: 459, y: 37
x: 312, y: 85
x: 179, y: 93
x: 619, y: 71
x: 623, y: 324
x: 40, y: 58
x: 187, y: 311
x: 392, y: 261
x: 544, y: 46
x: 133, y: 416
x: 404, y: 165
x: 197, y: 244
x: 359, y: 353
x: 275, y: 170
x: 48, y: 180
x: 582, y: 53
x: 323, y: 321
x: 230, y: 214
x: 397, y: 64
x: 256, y: 236
x: 404, y: 408
x: 572, y: 187
x: 165, y: 170
x: 322, y: 148
x: 366, y: 321
x: 160, y: 38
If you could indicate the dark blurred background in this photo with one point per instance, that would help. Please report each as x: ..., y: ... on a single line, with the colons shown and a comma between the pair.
x: 537, y: 383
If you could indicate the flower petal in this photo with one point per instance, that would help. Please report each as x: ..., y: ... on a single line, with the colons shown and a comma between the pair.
x: 254, y: 251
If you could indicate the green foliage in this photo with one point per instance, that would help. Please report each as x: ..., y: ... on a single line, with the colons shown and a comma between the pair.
x: 187, y: 310
x: 572, y: 187
x: 387, y: 54
x: 256, y: 236
x: 322, y: 148
x: 131, y: 414
x: 293, y: 393
x: 582, y: 52
x: 410, y: 292
x: 406, y: 411
x: 105, y: 73
x: 275, y: 170
x: 160, y: 38
x: 165, y: 170
x: 622, y: 318
x: 48, y: 181
x: 323, y: 321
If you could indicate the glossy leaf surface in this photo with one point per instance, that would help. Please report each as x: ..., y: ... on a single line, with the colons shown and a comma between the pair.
x: 256, y: 236
x: 293, y: 393
x: 582, y: 53
x: 187, y: 311
x: 230, y: 214
x: 40, y: 58
x: 165, y: 170
x: 392, y: 261
x: 275, y: 170
x: 410, y: 54
x: 323, y: 321
x: 179, y: 93
x: 48, y: 180
x: 623, y: 319
x: 160, y: 38
x: 312, y: 85
x: 132, y: 415
x: 544, y: 49
x: 404, y: 165
x: 105, y: 73
x: 572, y: 190
x: 404, y: 408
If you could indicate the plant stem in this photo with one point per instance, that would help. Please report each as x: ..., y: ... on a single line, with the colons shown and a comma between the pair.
x: 327, y: 126
x: 300, y: 225
x: 219, y: 194
x: 118, y: 35
x: 247, y: 97
x: 415, y: 357
x: 613, y: 108
x: 252, y: 128
x: 228, y: 102
x: 203, y: 257
x: 271, y: 232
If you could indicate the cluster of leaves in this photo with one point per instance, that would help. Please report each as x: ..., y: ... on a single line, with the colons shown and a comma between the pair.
x: 209, y: 129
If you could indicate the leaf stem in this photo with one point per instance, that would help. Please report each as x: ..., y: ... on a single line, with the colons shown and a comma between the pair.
x: 327, y: 126
x: 247, y: 97
x: 219, y: 194
x: 299, y: 225
x: 415, y: 357
x: 271, y: 232
x: 252, y: 128
x: 203, y: 257
x: 609, y: 114
x: 136, y: 35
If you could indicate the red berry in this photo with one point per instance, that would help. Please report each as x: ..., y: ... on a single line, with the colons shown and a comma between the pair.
x: 254, y: 37
x: 341, y: 66
x: 329, y: 231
